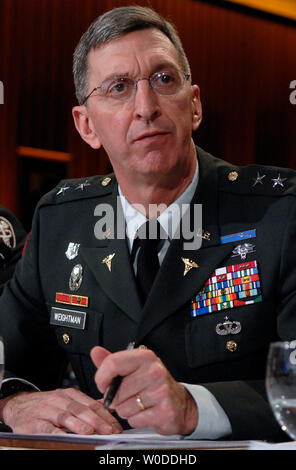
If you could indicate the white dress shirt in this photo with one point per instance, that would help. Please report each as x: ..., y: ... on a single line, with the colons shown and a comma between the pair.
x: 212, y: 420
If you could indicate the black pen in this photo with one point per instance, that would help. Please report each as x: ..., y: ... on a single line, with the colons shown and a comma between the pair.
x: 115, y: 383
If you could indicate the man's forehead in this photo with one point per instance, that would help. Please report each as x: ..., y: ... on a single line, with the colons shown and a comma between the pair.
x: 146, y: 45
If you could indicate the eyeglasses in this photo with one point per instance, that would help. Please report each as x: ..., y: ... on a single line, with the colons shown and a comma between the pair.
x: 122, y: 88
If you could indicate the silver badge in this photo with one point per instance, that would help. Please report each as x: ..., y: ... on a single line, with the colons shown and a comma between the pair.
x: 258, y: 179
x: 62, y: 190
x: 278, y: 181
x: 7, y: 234
x: 75, y: 278
x: 243, y: 250
x: 82, y: 186
x: 72, y: 250
x: 228, y: 327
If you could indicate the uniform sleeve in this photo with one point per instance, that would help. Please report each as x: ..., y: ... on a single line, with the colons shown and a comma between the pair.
x: 212, y: 420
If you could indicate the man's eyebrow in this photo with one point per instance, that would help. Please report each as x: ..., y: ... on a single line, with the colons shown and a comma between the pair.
x: 157, y: 68
x: 112, y: 76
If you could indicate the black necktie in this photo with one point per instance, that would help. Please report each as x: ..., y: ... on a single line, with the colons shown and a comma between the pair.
x: 147, y: 262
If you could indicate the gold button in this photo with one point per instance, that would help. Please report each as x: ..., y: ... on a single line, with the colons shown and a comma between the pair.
x: 66, y: 338
x: 142, y: 346
x: 106, y: 181
x: 231, y: 346
x: 233, y: 175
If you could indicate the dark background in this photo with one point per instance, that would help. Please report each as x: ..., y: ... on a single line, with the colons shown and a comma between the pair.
x: 242, y: 59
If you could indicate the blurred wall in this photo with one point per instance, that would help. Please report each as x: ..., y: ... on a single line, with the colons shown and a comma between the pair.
x: 243, y: 61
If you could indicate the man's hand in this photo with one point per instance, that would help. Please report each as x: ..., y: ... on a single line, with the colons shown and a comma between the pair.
x: 55, y: 412
x: 163, y: 403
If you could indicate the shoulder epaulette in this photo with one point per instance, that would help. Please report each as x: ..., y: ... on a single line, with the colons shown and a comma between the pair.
x: 79, y: 188
x: 257, y: 180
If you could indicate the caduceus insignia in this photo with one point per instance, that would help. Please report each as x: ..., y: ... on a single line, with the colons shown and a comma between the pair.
x: 188, y: 265
x: 108, y: 261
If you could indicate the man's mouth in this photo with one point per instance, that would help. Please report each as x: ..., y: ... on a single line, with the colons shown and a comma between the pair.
x: 150, y: 135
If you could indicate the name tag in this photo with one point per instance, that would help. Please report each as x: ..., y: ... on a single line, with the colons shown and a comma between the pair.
x: 69, y: 318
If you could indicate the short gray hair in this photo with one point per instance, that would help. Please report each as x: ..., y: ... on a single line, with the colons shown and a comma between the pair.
x: 113, y: 24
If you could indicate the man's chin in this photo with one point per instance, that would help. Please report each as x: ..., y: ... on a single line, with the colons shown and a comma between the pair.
x: 156, y: 161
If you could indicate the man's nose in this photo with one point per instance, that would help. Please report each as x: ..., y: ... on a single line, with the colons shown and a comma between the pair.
x: 146, y: 102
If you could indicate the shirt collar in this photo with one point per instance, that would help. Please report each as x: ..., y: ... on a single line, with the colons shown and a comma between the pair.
x: 169, y: 219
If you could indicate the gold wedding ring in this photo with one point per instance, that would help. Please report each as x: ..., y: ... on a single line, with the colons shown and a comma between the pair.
x: 139, y: 402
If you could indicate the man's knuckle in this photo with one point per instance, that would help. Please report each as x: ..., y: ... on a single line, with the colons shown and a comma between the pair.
x: 156, y: 372
x: 63, y: 417
x: 148, y: 354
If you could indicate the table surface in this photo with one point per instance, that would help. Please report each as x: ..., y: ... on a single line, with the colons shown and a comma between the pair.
x: 73, y: 442
x: 54, y: 443
x: 17, y: 443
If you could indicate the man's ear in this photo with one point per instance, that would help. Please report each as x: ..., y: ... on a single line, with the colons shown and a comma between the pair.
x: 196, y: 108
x: 84, y: 126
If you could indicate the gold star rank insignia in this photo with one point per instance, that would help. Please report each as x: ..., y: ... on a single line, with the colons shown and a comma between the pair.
x: 108, y: 261
x: 188, y: 265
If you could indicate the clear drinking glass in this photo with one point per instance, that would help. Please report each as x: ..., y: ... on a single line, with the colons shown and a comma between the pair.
x: 1, y: 360
x: 281, y: 384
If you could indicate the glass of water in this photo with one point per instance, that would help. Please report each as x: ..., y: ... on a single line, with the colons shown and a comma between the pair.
x: 281, y: 384
x: 1, y: 360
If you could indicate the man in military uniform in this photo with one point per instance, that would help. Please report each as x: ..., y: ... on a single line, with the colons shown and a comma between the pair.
x: 12, y: 240
x: 82, y: 293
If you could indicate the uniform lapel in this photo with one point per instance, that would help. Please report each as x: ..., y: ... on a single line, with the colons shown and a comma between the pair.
x: 172, y: 288
x: 118, y: 282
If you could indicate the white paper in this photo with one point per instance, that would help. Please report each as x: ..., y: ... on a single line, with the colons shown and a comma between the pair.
x: 261, y: 445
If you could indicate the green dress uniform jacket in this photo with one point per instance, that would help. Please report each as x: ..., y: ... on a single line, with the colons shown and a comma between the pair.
x: 45, y: 324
